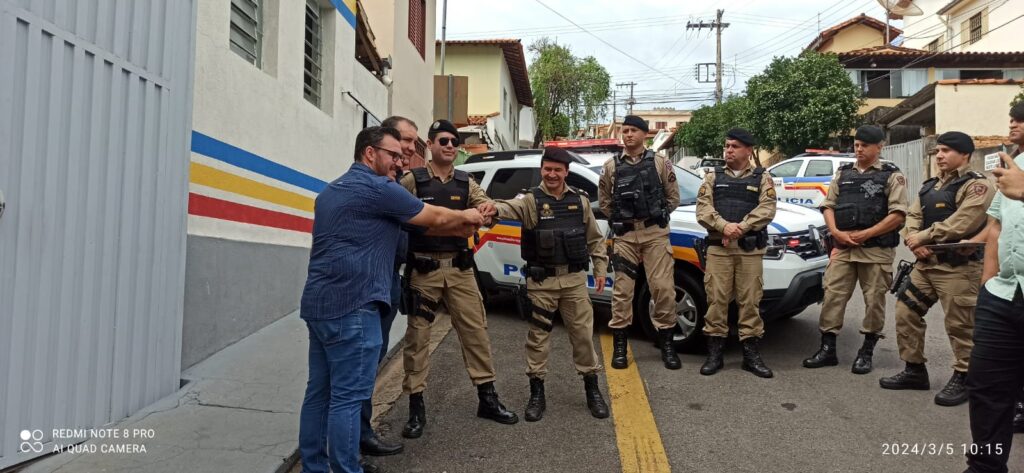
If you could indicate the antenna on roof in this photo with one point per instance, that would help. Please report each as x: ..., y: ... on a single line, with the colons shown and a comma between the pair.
x: 896, y: 10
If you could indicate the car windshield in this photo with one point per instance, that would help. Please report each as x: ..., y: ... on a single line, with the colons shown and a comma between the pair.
x: 688, y: 183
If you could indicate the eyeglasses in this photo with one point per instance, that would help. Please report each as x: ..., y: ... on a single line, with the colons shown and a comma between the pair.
x: 445, y: 141
x: 394, y: 154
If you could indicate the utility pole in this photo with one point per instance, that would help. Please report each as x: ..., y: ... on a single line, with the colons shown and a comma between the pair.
x: 716, y: 25
x: 615, y: 93
x: 631, y: 100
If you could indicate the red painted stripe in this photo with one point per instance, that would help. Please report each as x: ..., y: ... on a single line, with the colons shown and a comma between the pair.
x: 204, y: 206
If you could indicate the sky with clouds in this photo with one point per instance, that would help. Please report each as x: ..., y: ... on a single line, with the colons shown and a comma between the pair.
x: 647, y: 42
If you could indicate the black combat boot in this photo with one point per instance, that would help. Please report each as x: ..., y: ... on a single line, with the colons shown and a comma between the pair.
x: 955, y: 392
x: 668, y: 350
x: 490, y: 408
x: 1018, y: 418
x: 752, y: 359
x: 714, y: 361
x: 417, y: 417
x: 368, y: 467
x: 378, y: 447
x: 537, y: 404
x: 594, y: 400
x: 862, y: 365
x: 826, y: 355
x: 619, y: 360
x: 914, y: 376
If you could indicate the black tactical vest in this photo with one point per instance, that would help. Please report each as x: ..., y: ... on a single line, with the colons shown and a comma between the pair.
x: 560, y: 237
x: 735, y: 197
x: 938, y: 204
x: 453, y: 195
x: 638, y: 193
x: 864, y: 201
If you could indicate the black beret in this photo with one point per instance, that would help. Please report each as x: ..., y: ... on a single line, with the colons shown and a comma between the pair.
x: 958, y: 141
x: 1017, y: 111
x: 741, y: 135
x: 635, y: 121
x: 442, y: 125
x: 869, y: 134
x: 558, y: 155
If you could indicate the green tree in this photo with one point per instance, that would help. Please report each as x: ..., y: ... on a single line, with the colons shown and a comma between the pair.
x: 704, y: 134
x: 568, y: 91
x: 1019, y: 97
x: 802, y: 102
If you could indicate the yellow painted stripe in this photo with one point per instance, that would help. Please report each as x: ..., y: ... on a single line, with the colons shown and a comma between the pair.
x: 212, y: 177
x: 640, y: 447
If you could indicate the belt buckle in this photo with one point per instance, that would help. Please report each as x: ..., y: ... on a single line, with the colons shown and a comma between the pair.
x: 445, y: 263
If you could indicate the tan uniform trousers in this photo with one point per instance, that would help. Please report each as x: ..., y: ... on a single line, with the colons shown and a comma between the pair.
x: 461, y: 295
x: 651, y: 246
x: 957, y: 291
x: 567, y: 294
x: 734, y: 276
x: 840, y: 279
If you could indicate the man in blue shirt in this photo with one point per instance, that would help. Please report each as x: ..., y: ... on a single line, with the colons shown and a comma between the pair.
x: 995, y: 375
x: 356, y: 229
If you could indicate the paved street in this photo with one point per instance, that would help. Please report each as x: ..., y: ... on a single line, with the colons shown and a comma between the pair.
x: 800, y: 421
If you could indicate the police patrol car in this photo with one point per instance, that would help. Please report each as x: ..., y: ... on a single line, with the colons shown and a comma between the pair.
x: 793, y: 265
x: 804, y: 178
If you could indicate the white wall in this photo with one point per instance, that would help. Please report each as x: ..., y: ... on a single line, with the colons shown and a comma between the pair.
x: 918, y: 31
x: 921, y: 30
x: 412, y: 90
x: 997, y: 38
x: 978, y: 110
x: 263, y: 111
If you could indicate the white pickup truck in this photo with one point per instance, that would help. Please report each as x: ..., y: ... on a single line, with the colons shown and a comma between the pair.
x: 793, y: 265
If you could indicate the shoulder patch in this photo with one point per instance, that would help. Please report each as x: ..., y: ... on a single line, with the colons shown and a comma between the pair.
x: 901, y: 180
x: 520, y: 196
x: 979, y: 189
x: 771, y: 192
x: 671, y: 175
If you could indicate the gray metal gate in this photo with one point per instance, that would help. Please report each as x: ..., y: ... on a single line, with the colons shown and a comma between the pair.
x: 95, y: 114
x: 911, y: 159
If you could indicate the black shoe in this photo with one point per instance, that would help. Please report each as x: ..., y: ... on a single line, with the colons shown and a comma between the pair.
x: 752, y: 361
x: 914, y: 376
x: 490, y: 408
x: 862, y: 365
x: 537, y: 404
x: 668, y: 349
x: 955, y: 392
x: 417, y: 417
x: 368, y: 467
x: 826, y: 355
x: 619, y: 359
x: 377, y: 447
x: 714, y: 362
x: 1018, y: 418
x: 594, y: 400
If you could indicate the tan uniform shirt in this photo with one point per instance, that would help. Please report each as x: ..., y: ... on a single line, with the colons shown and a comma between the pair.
x: 757, y: 219
x: 524, y: 209
x: 972, y: 200
x: 896, y: 189
x: 606, y: 186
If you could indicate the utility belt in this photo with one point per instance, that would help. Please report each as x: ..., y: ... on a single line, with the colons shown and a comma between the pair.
x: 748, y: 242
x: 462, y: 260
x: 622, y: 228
x: 539, y: 273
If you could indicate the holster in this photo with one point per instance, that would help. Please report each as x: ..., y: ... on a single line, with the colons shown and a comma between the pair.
x: 423, y: 264
x: 629, y: 269
x: 622, y: 228
x: 464, y: 259
x: 537, y: 273
x: 753, y: 241
x: 701, y: 247
x: 523, y: 304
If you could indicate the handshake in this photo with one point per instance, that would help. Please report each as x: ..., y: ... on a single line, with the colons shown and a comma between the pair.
x: 470, y: 220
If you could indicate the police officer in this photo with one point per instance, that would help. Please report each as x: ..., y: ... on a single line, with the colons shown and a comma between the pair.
x: 441, y: 269
x: 950, y: 208
x: 864, y: 209
x: 560, y: 237
x: 735, y: 204
x: 638, y: 191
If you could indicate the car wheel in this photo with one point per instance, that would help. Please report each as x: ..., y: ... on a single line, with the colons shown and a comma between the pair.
x: 691, y: 305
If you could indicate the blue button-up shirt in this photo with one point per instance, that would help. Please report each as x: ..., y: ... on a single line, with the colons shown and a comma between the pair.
x: 356, y: 231
x: 1010, y: 214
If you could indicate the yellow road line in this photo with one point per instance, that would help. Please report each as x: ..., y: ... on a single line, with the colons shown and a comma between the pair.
x: 640, y: 447
x: 212, y: 177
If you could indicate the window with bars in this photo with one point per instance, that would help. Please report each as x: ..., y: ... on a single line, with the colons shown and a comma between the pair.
x: 418, y: 25
x: 312, y: 64
x: 976, y: 32
x: 933, y: 47
x: 660, y: 125
x: 246, y: 36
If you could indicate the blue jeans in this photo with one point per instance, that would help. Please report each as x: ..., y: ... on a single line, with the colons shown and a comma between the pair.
x: 342, y: 366
x: 365, y: 430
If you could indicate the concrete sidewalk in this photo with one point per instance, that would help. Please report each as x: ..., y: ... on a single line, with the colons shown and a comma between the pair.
x: 239, y: 412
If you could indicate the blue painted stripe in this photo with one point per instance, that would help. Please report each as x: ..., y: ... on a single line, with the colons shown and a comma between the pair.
x: 790, y: 180
x: 683, y: 239
x: 349, y: 15
x: 778, y: 227
x: 239, y: 157
x: 510, y: 223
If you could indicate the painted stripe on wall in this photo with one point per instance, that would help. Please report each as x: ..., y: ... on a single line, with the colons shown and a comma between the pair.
x: 347, y: 8
x: 216, y: 208
x: 208, y: 176
x: 235, y: 156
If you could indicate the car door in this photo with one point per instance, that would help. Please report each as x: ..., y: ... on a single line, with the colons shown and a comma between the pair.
x: 817, y: 175
x: 785, y: 176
